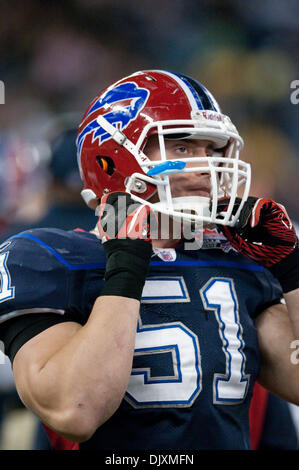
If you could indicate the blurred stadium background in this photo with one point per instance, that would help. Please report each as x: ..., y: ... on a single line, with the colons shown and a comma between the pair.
x: 56, y: 56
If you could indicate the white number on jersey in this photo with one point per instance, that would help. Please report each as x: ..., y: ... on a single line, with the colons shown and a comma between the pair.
x: 6, y: 290
x: 183, y: 387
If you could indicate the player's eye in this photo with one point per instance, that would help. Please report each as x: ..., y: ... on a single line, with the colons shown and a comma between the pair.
x: 182, y: 149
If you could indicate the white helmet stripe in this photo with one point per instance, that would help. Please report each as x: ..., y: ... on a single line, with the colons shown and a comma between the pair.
x: 194, y: 100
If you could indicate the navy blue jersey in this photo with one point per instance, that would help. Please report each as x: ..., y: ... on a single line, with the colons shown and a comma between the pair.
x: 196, y: 354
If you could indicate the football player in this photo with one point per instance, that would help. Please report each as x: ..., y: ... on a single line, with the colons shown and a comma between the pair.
x: 143, y: 334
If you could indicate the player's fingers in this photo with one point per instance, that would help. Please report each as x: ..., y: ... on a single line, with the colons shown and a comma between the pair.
x: 260, y: 203
x: 137, y: 224
x: 285, y: 219
x: 112, y: 213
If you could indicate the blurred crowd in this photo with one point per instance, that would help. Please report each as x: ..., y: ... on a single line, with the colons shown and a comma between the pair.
x: 57, y: 55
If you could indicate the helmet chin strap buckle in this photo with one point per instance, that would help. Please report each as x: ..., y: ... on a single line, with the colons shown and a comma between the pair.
x: 119, y: 137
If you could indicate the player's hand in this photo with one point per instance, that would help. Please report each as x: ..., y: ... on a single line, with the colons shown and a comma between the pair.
x: 264, y: 233
x: 121, y: 217
x: 124, y: 227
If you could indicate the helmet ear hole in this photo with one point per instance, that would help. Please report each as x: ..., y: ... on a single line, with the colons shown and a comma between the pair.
x: 107, y: 164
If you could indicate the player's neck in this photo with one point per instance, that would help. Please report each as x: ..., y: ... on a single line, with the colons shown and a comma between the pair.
x: 169, y: 243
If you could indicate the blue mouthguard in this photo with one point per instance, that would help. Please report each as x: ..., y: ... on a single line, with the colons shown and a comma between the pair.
x: 166, y: 167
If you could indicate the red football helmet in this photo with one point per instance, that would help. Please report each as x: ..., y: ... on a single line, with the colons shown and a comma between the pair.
x: 116, y: 128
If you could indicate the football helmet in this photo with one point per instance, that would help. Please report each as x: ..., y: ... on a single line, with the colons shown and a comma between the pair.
x: 117, y: 125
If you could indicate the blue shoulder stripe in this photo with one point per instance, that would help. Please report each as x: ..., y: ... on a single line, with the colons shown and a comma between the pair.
x: 228, y: 264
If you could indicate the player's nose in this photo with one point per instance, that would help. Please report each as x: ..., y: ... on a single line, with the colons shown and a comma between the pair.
x: 202, y: 153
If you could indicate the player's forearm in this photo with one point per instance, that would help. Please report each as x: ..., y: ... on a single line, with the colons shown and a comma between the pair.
x: 292, y: 303
x: 82, y: 383
x: 278, y: 372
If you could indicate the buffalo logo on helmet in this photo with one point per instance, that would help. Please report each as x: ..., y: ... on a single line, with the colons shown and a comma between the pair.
x: 133, y: 99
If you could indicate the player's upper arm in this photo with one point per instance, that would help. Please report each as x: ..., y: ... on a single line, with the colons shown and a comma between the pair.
x: 35, y: 352
x: 278, y: 373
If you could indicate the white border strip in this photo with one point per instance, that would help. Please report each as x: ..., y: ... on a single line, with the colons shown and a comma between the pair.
x: 183, y: 85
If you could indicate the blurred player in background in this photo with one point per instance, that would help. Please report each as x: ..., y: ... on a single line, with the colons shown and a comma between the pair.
x: 131, y: 337
x: 64, y: 207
